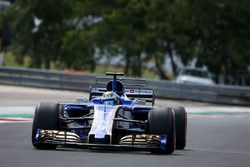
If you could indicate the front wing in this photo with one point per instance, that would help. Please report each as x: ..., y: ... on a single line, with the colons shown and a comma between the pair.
x: 130, y: 142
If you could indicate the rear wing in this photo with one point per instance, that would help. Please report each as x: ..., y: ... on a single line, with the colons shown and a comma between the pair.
x: 127, y: 82
x: 133, y: 88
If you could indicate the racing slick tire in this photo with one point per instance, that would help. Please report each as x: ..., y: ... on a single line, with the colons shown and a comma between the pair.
x: 45, y: 117
x: 181, y: 127
x: 161, y: 121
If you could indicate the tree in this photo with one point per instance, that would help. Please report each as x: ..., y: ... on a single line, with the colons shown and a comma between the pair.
x: 170, y: 26
x: 40, y: 42
x: 68, y: 33
x: 77, y: 51
x: 223, y: 33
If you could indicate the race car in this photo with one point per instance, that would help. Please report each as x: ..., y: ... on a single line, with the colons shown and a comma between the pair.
x: 118, y: 115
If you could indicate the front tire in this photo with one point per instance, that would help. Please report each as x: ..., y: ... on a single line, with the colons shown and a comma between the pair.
x: 45, y: 117
x: 161, y: 121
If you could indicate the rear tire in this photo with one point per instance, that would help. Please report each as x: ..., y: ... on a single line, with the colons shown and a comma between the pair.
x: 161, y: 121
x: 181, y: 127
x: 45, y: 117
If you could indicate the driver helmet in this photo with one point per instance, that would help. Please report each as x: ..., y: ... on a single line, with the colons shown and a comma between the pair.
x: 110, y: 98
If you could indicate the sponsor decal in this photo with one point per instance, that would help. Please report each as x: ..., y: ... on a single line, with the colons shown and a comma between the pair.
x: 139, y: 91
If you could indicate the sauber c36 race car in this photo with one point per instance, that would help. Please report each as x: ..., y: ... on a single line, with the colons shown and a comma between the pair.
x: 117, y: 115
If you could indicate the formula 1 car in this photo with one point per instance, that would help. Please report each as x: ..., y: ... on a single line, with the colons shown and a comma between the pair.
x: 119, y: 116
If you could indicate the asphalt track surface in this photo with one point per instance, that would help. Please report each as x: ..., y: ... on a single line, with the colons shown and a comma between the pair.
x: 212, y: 141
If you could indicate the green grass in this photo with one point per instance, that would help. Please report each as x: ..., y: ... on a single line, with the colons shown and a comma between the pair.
x: 9, y: 60
x: 16, y: 116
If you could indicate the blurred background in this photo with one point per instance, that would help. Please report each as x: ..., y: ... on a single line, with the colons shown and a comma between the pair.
x: 142, y: 38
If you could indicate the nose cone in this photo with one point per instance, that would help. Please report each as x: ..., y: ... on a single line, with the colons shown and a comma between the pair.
x: 102, y: 125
